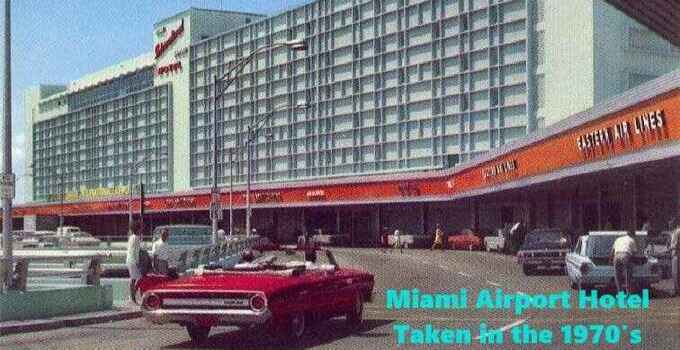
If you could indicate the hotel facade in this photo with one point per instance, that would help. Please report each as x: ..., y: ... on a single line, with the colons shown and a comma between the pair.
x: 395, y: 90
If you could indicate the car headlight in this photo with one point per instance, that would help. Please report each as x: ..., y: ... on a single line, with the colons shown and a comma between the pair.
x: 258, y: 303
x: 585, y: 268
x: 151, y: 302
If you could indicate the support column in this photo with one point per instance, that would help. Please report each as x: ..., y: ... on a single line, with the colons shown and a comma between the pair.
x: 551, y: 208
x: 275, y: 223
x: 475, y: 215
x: 600, y: 224
x: 351, y: 238
x: 337, y: 220
x: 423, y: 218
x: 378, y: 220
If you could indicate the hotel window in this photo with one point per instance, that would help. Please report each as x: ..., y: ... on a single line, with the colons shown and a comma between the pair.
x: 635, y: 79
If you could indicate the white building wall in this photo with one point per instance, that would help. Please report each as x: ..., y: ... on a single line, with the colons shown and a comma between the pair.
x: 569, y: 58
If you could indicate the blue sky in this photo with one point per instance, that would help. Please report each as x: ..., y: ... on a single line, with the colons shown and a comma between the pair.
x: 56, y: 41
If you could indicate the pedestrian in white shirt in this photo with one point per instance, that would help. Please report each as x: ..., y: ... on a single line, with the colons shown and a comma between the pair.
x: 675, y: 255
x: 397, y: 241
x: 622, y: 252
x: 160, y: 251
x: 132, y: 259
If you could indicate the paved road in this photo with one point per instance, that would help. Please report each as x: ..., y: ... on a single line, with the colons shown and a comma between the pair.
x: 429, y: 271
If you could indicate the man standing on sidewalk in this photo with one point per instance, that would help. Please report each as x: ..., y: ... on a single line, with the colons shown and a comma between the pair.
x: 160, y: 251
x: 132, y: 260
x: 675, y: 254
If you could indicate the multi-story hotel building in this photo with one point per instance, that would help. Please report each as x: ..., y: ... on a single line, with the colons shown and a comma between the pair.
x: 393, y: 86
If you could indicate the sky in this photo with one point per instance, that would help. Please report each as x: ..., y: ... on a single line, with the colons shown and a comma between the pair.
x: 57, y: 41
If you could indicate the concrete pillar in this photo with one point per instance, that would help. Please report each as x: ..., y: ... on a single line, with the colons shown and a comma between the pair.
x: 353, y: 231
x: 423, y: 218
x: 600, y: 224
x: 550, y: 220
x: 475, y: 215
x: 629, y: 212
x: 378, y: 220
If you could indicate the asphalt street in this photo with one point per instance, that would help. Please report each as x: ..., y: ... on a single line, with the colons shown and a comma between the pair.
x: 429, y: 271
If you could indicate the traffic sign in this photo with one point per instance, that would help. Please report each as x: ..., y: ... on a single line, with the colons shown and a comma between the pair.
x: 215, y: 211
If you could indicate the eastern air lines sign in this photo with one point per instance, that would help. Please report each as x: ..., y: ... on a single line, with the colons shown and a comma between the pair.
x: 649, y: 123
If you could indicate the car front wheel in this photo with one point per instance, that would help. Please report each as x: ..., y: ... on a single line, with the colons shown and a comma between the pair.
x: 354, y: 317
x: 198, y: 334
x: 297, y: 326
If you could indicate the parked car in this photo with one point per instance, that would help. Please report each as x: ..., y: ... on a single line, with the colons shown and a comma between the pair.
x: 467, y: 240
x: 543, y: 249
x: 282, y: 291
x: 588, y: 264
x: 500, y: 241
x: 38, y: 239
x: 659, y: 247
x: 72, y: 236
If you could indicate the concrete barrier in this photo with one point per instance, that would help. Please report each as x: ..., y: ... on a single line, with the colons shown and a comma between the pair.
x: 41, y: 304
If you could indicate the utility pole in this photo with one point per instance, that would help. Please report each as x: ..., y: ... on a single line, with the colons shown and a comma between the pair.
x: 214, y: 194
x: 248, y: 210
x: 231, y: 191
x: 7, y: 176
x: 61, y: 198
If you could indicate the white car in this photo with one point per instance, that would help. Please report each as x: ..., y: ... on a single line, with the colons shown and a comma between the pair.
x: 588, y: 264
x: 72, y: 236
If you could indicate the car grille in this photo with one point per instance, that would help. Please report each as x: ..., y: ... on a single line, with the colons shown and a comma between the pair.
x: 547, y: 254
x: 212, y: 301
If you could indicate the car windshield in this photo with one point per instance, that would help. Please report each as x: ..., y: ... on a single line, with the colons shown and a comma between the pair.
x: 277, y: 260
x: 544, y: 237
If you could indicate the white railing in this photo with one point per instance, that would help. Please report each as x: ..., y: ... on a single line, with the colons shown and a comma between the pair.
x: 89, y: 264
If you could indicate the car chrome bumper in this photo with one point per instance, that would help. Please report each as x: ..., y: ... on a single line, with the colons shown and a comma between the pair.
x: 221, y: 317
x: 541, y: 261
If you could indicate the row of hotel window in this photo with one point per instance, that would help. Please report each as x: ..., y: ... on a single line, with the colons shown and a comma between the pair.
x: 372, y: 24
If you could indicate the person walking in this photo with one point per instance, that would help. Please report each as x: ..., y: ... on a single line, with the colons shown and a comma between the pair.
x: 132, y: 260
x: 675, y: 256
x: 397, y: 241
x: 160, y: 251
x: 621, y: 254
x: 438, y: 238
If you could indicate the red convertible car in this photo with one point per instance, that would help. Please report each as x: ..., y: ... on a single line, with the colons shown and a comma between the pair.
x: 466, y: 240
x: 283, y: 291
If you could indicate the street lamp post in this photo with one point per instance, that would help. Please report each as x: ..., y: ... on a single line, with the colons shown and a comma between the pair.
x: 231, y: 191
x: 253, y: 130
x: 134, y: 167
x: 8, y: 177
x: 233, y: 71
x: 61, y: 198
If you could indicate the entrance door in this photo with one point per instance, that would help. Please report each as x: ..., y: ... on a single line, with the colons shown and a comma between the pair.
x: 364, y: 234
x: 590, y: 219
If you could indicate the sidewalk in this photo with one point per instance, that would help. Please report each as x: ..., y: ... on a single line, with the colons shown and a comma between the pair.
x: 118, y: 313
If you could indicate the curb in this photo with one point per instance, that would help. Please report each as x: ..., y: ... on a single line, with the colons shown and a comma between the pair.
x: 14, y: 327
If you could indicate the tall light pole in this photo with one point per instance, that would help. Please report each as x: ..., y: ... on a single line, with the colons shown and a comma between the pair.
x: 134, y: 167
x: 61, y: 198
x: 7, y: 176
x: 253, y: 130
x: 224, y: 82
x: 231, y: 191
